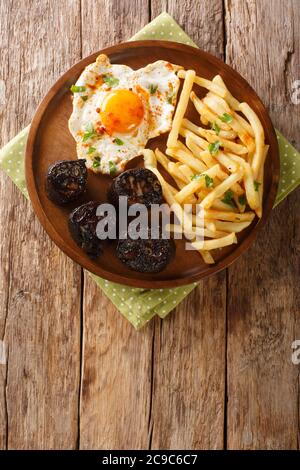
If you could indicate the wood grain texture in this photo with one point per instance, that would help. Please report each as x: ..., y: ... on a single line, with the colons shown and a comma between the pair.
x: 189, y: 371
x: 263, y: 300
x: 202, y: 20
x: 189, y: 349
x: 163, y: 387
x: 40, y: 287
x: 117, y: 361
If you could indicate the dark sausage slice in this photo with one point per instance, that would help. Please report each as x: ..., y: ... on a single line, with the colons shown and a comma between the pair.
x: 82, y: 223
x: 145, y: 256
x: 66, y: 181
x: 139, y: 185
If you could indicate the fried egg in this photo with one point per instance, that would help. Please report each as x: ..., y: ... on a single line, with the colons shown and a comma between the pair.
x: 116, y: 110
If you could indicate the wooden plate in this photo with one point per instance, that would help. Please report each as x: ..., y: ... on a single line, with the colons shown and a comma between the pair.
x: 50, y: 140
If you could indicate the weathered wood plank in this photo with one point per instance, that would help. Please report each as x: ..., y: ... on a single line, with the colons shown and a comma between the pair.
x: 116, y: 371
x: 189, y: 371
x: 40, y: 286
x: 263, y: 302
x: 189, y: 350
x: 202, y: 20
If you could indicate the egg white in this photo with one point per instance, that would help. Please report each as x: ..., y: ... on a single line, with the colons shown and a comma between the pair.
x: 156, y: 84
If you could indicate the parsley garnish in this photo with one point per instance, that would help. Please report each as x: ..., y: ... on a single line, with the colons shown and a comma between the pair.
x: 209, y: 181
x: 226, y: 118
x: 228, y: 198
x: 91, y: 150
x: 96, y: 162
x: 84, y: 98
x: 256, y: 185
x: 77, y: 88
x: 215, y: 128
x: 242, y: 200
x: 112, y: 167
x: 110, y: 81
x: 153, y: 89
x: 214, y: 147
x: 89, y: 132
x: 119, y: 141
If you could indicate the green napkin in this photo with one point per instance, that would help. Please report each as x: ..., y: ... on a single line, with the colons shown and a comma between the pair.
x: 140, y: 305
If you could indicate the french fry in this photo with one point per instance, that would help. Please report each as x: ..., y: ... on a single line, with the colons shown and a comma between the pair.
x: 150, y: 163
x: 219, y: 106
x: 221, y: 206
x: 212, y: 137
x: 162, y: 159
x: 149, y: 158
x: 175, y: 172
x: 260, y: 182
x: 203, y: 82
x: 204, y: 111
x: 204, y: 120
x: 180, y: 181
x: 244, y: 124
x: 202, y: 143
x: 181, y: 107
x: 217, y: 192
x: 231, y: 226
x: 229, y: 216
x: 215, y: 243
x: 218, y: 80
x: 230, y: 135
x: 182, y: 216
x: 186, y: 159
x: 259, y: 137
x: 207, y: 257
x: 196, y: 231
x: 195, y: 185
x: 187, y: 172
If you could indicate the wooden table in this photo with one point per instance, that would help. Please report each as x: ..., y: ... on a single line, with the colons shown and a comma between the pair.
x: 217, y: 373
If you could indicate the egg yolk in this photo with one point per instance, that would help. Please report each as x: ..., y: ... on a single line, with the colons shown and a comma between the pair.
x: 121, y: 112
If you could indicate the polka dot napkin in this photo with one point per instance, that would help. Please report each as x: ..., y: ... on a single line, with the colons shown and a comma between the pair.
x: 140, y: 305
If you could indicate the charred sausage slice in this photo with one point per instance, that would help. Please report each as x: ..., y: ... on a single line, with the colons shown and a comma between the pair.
x: 82, y: 223
x: 66, y: 181
x: 145, y: 256
x: 139, y: 185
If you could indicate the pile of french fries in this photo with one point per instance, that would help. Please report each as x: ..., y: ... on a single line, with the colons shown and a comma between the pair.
x: 217, y: 163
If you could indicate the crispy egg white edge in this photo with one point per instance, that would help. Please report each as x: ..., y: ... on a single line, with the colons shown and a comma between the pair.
x: 103, y: 66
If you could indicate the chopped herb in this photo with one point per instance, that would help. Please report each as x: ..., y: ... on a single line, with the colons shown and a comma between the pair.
x: 209, y: 181
x: 87, y: 136
x: 228, y: 198
x: 96, y: 162
x: 256, y: 185
x: 215, y: 128
x: 214, y: 147
x: 84, y: 98
x: 153, y: 89
x: 242, y: 200
x: 112, y: 167
x: 119, y: 141
x: 89, y: 132
x: 91, y: 150
x: 110, y: 81
x: 77, y: 88
x: 226, y: 117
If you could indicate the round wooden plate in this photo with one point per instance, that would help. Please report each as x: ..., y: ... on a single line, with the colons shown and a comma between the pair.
x: 50, y: 140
